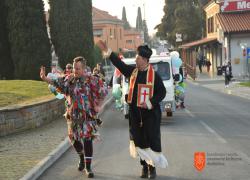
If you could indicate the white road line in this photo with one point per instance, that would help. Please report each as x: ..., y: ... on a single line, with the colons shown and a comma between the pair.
x: 189, y: 112
x: 221, y: 139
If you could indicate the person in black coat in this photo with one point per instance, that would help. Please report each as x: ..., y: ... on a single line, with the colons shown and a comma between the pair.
x: 144, y: 117
x: 228, y: 73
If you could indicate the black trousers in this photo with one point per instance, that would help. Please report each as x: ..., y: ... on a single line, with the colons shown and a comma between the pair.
x: 227, y: 79
x: 143, y: 162
x: 84, y: 150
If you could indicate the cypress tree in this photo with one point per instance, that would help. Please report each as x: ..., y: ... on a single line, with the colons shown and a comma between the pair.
x: 139, y: 26
x: 97, y: 57
x: 124, y: 19
x: 30, y: 47
x: 71, y: 29
x: 145, y: 32
x: 6, y: 63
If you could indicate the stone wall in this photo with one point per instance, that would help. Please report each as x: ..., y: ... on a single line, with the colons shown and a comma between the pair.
x: 20, y: 118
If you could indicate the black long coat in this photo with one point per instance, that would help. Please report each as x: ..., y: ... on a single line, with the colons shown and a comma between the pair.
x: 147, y: 136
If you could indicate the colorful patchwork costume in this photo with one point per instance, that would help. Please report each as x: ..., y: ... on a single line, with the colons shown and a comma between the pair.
x: 82, y: 99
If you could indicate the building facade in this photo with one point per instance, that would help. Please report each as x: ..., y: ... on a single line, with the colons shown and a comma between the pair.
x: 110, y: 29
x: 132, y: 39
x: 227, y: 38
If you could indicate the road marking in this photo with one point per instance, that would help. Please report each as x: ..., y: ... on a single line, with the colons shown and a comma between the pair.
x: 221, y: 139
x: 189, y: 112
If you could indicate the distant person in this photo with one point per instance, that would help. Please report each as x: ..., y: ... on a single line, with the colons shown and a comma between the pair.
x: 208, y: 64
x: 100, y: 69
x: 200, y: 66
x: 183, y: 85
x: 200, y: 62
x: 97, y: 73
x: 68, y: 69
x: 228, y: 73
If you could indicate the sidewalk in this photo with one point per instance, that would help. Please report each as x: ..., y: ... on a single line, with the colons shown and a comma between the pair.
x: 21, y: 152
x: 217, y: 83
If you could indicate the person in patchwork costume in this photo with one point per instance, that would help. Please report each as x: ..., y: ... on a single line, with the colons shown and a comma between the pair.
x: 83, y: 94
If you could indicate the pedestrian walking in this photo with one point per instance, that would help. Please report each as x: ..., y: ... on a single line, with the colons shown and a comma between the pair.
x: 200, y: 64
x: 200, y: 60
x: 183, y: 85
x: 83, y: 94
x: 228, y: 73
x: 208, y: 64
x: 146, y: 91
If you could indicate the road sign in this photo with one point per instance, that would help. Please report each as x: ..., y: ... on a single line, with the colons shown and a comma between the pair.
x: 248, y: 55
x: 178, y: 37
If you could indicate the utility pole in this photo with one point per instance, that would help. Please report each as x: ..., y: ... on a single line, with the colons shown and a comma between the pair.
x: 144, y: 13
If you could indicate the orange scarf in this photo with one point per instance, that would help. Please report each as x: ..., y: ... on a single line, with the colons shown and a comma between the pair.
x: 150, y: 81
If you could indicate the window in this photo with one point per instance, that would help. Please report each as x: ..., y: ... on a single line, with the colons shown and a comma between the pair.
x: 120, y: 34
x: 163, y: 69
x: 210, y: 25
x: 98, y: 32
x: 129, y: 41
x: 129, y: 53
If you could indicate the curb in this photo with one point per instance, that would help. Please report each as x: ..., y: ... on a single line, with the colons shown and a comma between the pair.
x: 229, y: 91
x: 45, y: 163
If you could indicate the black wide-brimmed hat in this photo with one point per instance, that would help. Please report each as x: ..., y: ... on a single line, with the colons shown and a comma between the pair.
x: 144, y: 51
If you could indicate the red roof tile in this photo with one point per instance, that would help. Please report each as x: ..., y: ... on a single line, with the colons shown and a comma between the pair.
x: 99, y: 15
x: 234, y: 22
x: 198, y: 42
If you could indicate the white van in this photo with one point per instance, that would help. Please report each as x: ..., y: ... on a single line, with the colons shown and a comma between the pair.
x: 163, y: 66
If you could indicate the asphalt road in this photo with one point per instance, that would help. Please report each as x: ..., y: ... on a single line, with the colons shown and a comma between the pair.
x: 214, y: 123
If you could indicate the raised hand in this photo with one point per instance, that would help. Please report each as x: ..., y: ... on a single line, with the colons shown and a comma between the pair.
x: 102, y: 46
x: 42, y: 73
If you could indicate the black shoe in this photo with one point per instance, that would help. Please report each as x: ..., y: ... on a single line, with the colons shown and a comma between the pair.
x: 144, y: 172
x: 89, y: 173
x: 152, y: 172
x: 81, y: 165
x: 182, y: 105
x: 99, y: 122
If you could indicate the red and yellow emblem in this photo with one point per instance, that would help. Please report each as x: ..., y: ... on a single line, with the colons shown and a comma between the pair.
x: 199, y: 160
